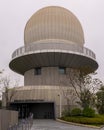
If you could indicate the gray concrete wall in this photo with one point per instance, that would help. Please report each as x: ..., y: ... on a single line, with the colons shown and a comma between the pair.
x: 50, y: 86
x: 49, y: 76
x: 8, y: 118
x: 54, y: 94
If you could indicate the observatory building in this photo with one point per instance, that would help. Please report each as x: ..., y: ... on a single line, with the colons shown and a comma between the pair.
x: 53, y: 44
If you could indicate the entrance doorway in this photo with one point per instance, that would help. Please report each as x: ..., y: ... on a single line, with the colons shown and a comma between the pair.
x: 43, y: 110
x: 40, y: 110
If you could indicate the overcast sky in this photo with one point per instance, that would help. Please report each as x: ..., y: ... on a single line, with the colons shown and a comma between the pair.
x: 15, y: 13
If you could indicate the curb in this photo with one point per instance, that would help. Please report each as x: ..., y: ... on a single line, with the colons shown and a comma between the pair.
x: 77, y: 124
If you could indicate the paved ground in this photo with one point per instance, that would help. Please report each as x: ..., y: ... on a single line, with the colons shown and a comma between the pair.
x: 54, y: 125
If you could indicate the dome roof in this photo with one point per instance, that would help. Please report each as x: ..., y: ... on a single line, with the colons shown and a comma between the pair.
x: 56, y: 24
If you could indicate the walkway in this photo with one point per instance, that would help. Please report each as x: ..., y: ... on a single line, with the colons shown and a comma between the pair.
x: 54, y: 125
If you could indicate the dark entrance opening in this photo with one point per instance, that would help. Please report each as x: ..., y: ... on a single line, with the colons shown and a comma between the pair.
x: 43, y: 110
x: 40, y: 110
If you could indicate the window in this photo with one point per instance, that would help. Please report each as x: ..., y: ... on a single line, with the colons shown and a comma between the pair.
x: 62, y: 70
x: 38, y: 71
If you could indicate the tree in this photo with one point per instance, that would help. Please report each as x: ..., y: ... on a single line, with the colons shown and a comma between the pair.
x: 1, y: 71
x: 100, y: 100
x: 6, y: 90
x: 70, y: 96
x: 0, y: 103
x: 84, y: 86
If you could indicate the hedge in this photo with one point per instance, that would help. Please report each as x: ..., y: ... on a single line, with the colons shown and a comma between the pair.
x: 97, y: 120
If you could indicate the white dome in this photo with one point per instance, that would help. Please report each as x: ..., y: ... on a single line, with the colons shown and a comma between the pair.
x: 56, y: 24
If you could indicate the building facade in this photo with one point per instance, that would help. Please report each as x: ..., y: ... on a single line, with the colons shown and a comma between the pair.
x: 53, y: 45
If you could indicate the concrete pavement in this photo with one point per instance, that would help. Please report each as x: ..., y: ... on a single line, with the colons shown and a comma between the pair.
x: 55, y: 125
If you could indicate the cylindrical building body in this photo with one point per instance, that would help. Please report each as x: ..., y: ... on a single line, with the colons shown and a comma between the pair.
x: 53, y: 45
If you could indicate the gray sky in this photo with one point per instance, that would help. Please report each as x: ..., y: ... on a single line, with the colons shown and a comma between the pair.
x: 15, y: 13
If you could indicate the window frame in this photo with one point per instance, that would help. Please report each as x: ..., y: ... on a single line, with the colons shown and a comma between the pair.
x: 62, y: 70
x: 37, y: 71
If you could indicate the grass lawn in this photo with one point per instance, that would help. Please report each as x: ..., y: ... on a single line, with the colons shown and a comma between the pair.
x: 98, y: 120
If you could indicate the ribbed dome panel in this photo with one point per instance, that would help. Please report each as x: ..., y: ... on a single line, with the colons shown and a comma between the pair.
x: 53, y: 23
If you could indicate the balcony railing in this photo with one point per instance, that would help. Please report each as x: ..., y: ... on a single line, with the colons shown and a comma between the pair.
x: 53, y: 47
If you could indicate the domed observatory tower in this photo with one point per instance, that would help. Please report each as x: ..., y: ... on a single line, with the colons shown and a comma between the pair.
x: 53, y: 44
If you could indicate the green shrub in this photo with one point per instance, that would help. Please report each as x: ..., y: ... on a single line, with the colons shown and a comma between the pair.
x: 76, y: 112
x: 88, y: 112
x: 66, y: 113
x: 98, y: 120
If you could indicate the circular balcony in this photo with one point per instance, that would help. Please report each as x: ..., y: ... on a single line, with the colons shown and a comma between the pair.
x: 52, y: 54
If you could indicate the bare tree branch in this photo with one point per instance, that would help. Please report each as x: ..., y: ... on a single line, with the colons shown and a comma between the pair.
x: 6, y: 89
x: 83, y: 84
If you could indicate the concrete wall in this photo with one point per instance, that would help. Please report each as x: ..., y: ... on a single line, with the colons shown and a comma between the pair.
x: 8, y: 118
x: 50, y: 86
x: 54, y: 94
x: 49, y: 76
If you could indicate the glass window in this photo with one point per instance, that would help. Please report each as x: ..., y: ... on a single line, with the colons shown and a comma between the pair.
x: 38, y: 71
x: 62, y: 70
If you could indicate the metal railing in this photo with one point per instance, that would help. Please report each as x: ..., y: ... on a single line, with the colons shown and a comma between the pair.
x: 24, y: 124
x: 54, y: 47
